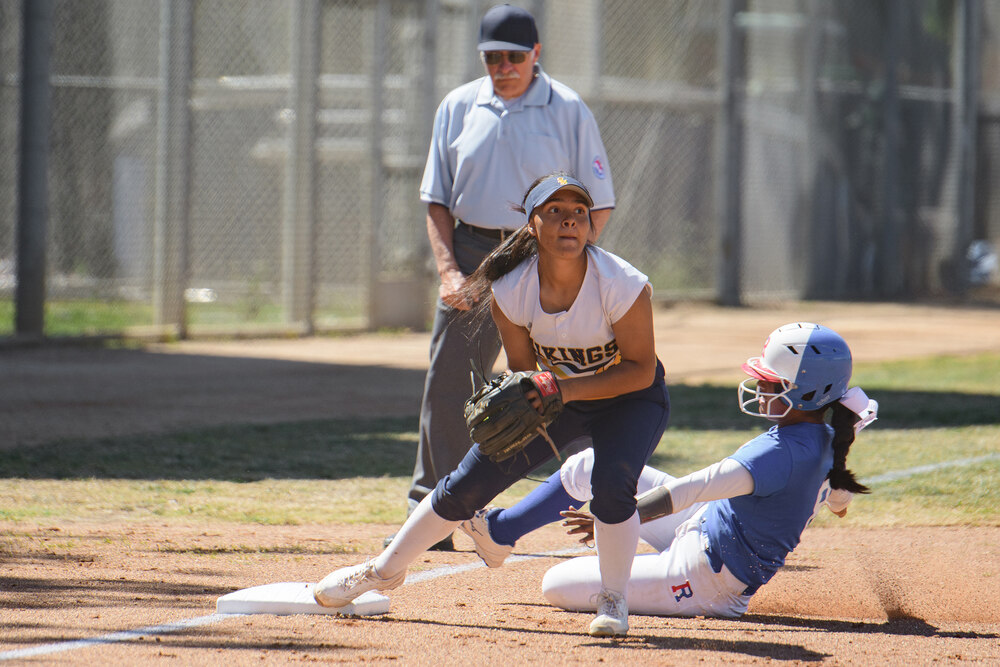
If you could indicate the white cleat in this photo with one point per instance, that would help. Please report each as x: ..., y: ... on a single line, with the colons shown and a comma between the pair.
x: 478, y: 528
x: 340, y: 587
x: 612, y: 615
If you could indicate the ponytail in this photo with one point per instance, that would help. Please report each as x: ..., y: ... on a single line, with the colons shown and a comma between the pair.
x: 505, y: 258
x: 843, y: 421
x: 518, y: 247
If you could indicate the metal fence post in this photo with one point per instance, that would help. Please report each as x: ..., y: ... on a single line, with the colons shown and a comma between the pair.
x: 33, y: 191
x: 816, y: 273
x: 377, y: 161
x: 889, y: 279
x: 968, y: 14
x: 729, y: 155
x: 299, y: 214
x: 428, y: 87
x: 173, y: 166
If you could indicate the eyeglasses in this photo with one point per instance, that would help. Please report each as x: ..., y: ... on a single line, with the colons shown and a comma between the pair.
x: 497, y: 57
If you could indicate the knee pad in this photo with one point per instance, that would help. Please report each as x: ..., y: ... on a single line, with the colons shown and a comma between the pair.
x: 451, y: 506
x: 614, y: 495
x: 610, y: 511
x: 614, y: 487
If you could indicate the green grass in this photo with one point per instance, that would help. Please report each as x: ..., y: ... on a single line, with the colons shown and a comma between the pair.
x: 357, y: 471
x: 106, y: 317
x: 91, y: 317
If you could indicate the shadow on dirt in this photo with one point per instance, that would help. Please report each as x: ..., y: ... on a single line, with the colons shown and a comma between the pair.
x: 67, y: 393
x: 638, y: 641
x: 31, y: 593
x: 191, y: 417
x: 324, y: 449
x: 715, y: 408
x: 352, y: 447
x: 908, y: 626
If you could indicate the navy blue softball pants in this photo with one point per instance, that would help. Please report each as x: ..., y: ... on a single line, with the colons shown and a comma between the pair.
x: 625, y: 431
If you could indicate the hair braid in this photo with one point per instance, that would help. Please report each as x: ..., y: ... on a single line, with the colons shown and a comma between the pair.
x: 840, y: 477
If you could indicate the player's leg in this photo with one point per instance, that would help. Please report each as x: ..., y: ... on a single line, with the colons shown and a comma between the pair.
x: 423, y: 528
x: 625, y: 436
x: 658, y: 533
x: 575, y: 475
x: 475, y: 482
x: 575, y: 584
x: 455, y: 498
x: 678, y: 582
x: 542, y: 506
x: 443, y: 434
x: 496, y: 531
x: 456, y: 340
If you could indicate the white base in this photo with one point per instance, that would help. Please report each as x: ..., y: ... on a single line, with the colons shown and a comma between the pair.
x: 295, y: 598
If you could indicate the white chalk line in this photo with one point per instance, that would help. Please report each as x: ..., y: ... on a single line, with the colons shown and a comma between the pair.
x: 414, y: 578
x: 128, y: 635
x: 123, y: 636
x: 933, y: 467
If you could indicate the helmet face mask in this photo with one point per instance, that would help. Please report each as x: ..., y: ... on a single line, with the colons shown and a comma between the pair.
x: 761, y: 403
x: 810, y: 362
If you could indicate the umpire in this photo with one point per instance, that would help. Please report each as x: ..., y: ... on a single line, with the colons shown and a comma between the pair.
x: 491, y: 138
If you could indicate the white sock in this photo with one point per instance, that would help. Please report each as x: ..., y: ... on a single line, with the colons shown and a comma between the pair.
x: 616, y: 545
x: 423, y: 529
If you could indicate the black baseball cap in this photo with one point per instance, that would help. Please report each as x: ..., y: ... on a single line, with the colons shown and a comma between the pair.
x: 507, y: 28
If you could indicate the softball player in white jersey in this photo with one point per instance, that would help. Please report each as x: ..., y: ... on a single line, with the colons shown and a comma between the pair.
x: 722, y: 532
x: 586, y: 315
x: 491, y: 138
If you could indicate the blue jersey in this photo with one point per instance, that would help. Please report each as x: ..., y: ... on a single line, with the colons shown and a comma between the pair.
x: 752, y: 534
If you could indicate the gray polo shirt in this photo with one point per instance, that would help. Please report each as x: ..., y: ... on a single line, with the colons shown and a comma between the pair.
x: 485, y: 152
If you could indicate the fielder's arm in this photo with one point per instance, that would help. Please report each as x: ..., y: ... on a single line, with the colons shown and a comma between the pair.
x: 516, y: 342
x: 725, y: 479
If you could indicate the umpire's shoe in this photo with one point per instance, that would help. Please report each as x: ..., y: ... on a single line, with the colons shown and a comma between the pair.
x: 340, y: 587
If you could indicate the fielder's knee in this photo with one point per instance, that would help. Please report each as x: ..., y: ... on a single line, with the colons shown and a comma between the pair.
x: 613, y: 507
x: 614, y: 489
x: 455, y: 506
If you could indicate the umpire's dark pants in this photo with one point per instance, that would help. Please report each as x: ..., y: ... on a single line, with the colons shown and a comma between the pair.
x: 455, y: 342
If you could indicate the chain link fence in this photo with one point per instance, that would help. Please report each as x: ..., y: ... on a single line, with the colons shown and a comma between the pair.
x: 249, y: 165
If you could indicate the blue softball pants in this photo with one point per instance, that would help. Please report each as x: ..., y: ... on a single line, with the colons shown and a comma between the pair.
x: 625, y: 431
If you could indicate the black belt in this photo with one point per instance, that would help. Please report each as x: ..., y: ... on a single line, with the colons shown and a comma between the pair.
x: 495, y: 234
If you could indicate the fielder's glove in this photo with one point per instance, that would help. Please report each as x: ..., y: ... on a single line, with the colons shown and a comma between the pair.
x: 502, y: 420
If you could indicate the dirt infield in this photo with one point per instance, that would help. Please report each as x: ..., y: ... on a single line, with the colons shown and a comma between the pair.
x: 847, y: 595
